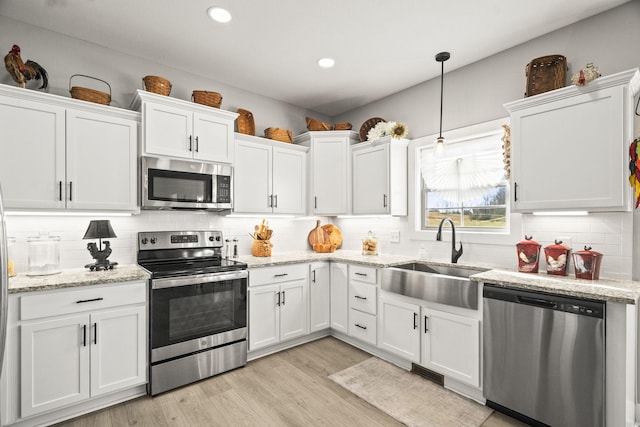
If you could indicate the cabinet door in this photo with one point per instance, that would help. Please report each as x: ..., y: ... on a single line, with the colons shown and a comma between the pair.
x: 371, y: 180
x: 264, y: 316
x: 32, y: 171
x: 118, y: 349
x: 330, y: 176
x: 101, y: 162
x: 570, y: 154
x: 212, y: 139
x: 399, y: 327
x: 167, y: 130
x: 252, y: 178
x: 54, y: 364
x: 289, y: 181
x: 294, y: 312
x: 319, y: 297
x: 451, y: 345
x: 339, y: 298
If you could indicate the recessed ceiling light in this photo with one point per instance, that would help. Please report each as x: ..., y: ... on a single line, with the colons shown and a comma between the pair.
x: 326, y: 62
x: 219, y: 14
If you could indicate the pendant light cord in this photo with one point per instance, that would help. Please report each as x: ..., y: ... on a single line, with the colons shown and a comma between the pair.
x: 441, y: 93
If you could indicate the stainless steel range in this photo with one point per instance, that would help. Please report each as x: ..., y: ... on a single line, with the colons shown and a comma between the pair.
x: 198, y: 307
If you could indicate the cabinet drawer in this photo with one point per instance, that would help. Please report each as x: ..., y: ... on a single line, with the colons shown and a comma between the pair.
x: 362, y: 326
x: 362, y: 274
x: 94, y: 297
x: 279, y: 274
x: 362, y: 296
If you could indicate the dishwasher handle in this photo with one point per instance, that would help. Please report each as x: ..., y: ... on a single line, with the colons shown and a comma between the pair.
x: 538, y: 302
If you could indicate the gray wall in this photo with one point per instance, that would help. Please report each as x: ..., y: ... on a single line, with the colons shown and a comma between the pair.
x: 476, y: 93
x: 63, y: 56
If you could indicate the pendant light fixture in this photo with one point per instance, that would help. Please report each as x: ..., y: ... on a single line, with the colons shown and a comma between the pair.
x: 441, y: 58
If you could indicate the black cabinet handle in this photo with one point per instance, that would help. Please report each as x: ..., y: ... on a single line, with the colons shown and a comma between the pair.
x: 283, y: 302
x: 89, y: 300
x: 360, y: 326
x: 315, y: 202
x: 197, y: 144
x: 95, y: 333
x: 426, y: 324
x: 271, y: 200
x: 278, y: 303
x: 60, y: 190
x: 359, y: 297
x: 515, y: 191
x: 314, y: 276
x: 384, y: 200
x: 71, y: 191
x: 275, y: 198
x: 190, y: 142
x: 84, y: 335
x: 415, y: 320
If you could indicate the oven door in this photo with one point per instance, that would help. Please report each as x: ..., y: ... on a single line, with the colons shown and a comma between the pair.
x: 194, y: 313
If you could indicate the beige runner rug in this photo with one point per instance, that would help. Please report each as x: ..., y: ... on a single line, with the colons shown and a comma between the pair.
x: 408, y: 397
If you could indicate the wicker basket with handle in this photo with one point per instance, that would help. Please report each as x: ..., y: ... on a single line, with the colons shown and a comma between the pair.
x: 545, y: 73
x: 342, y: 126
x: 90, y: 95
x: 278, y: 134
x: 317, y: 125
x: 156, y: 84
x: 211, y: 99
x: 246, y: 124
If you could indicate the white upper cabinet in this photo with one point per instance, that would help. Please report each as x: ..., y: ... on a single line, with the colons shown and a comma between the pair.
x: 380, y: 177
x: 62, y: 153
x: 183, y: 129
x: 330, y: 176
x: 269, y: 176
x: 569, y: 147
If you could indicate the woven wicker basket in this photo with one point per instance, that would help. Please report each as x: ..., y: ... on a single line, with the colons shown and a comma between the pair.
x: 212, y: 99
x: 342, y: 126
x: 545, y: 73
x: 90, y: 95
x: 261, y: 248
x: 368, y: 125
x: 278, y: 134
x: 156, y: 84
x: 317, y: 125
x: 246, y: 124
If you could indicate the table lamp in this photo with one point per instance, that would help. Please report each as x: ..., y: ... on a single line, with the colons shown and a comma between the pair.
x: 100, y: 229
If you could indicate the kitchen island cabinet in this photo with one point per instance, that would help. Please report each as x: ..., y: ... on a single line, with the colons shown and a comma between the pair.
x: 73, y: 350
x: 85, y: 154
x: 380, y: 177
x: 569, y: 147
x: 269, y: 176
x: 330, y: 163
x: 182, y: 129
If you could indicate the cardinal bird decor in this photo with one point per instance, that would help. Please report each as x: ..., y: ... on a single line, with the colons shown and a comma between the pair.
x: 21, y: 72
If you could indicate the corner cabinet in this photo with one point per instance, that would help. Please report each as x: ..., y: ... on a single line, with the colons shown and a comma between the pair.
x: 330, y: 176
x: 85, y: 154
x: 183, y: 129
x: 569, y: 147
x: 380, y: 177
x: 269, y: 176
x: 319, y: 296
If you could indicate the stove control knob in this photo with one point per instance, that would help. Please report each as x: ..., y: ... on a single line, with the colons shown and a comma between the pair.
x: 218, y: 238
x: 211, y: 238
x: 153, y: 240
x: 144, y: 241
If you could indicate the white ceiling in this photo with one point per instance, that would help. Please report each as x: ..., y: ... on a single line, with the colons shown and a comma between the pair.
x: 270, y: 47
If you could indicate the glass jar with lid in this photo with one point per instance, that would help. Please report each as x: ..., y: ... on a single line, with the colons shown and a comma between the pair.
x: 11, y: 248
x: 370, y: 244
x: 44, y: 255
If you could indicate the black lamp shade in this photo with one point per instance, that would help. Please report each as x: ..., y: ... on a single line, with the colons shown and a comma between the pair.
x: 99, y: 229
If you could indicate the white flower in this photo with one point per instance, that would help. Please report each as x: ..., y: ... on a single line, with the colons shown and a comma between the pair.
x: 381, y: 129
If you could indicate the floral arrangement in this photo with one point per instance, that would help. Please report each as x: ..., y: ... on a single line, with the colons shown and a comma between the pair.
x: 395, y: 129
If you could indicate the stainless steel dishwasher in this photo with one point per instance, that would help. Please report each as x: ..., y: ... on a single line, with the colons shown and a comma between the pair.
x: 544, y: 357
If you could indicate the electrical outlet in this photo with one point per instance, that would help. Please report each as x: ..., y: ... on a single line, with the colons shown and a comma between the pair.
x: 395, y: 237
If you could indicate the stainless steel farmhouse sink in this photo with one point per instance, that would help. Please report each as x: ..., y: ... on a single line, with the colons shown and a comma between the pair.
x: 444, y: 284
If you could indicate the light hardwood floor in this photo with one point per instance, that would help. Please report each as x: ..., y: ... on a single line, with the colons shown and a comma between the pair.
x: 289, y: 388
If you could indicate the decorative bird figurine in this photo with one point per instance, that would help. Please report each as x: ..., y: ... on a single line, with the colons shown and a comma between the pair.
x: 21, y: 72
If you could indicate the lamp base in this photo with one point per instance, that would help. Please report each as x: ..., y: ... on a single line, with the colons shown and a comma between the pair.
x: 101, y: 265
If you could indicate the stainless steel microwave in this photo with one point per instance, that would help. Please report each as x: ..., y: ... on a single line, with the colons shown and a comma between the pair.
x: 181, y: 184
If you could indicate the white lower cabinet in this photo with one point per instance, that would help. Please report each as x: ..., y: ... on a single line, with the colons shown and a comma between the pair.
x: 319, y: 296
x: 399, y: 327
x: 80, y: 344
x: 278, y: 304
x: 363, y: 290
x: 451, y: 345
x: 339, y: 298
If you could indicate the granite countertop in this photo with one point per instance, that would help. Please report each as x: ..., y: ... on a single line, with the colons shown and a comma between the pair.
x: 352, y: 257
x: 623, y: 291
x: 76, y: 277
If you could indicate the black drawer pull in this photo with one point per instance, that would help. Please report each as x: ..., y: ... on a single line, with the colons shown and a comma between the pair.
x: 281, y: 275
x: 361, y: 274
x: 89, y: 300
x: 359, y: 297
x: 360, y: 326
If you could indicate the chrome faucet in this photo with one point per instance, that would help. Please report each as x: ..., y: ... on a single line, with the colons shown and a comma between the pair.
x: 455, y: 253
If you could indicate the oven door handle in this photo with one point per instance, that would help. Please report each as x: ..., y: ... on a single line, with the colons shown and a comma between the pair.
x: 174, y: 282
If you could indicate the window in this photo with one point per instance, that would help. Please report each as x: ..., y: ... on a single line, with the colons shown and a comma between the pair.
x: 466, y: 182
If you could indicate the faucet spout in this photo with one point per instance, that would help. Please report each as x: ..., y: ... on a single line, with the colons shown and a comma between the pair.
x: 455, y: 253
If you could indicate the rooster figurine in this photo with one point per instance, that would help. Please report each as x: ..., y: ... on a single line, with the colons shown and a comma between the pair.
x: 21, y: 72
